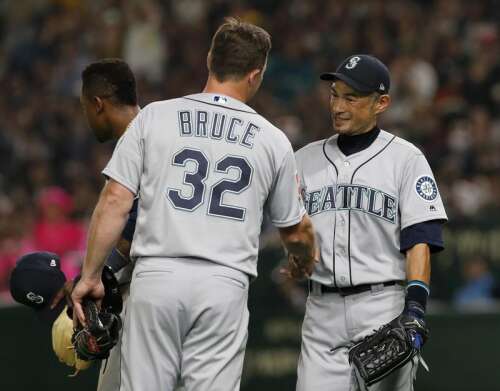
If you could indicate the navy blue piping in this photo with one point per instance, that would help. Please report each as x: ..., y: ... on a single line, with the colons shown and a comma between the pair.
x: 224, y: 107
x: 335, y: 225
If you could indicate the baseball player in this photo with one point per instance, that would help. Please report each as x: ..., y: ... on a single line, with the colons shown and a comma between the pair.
x: 377, y: 212
x: 206, y: 167
x: 109, y: 103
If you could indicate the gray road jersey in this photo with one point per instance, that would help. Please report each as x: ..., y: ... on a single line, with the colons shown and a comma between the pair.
x: 360, y: 203
x: 206, y: 167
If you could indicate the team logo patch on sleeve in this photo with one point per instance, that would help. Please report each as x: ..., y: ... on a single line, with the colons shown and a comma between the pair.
x: 426, y: 188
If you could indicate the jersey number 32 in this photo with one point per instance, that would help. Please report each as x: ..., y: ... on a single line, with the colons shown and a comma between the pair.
x: 196, y: 180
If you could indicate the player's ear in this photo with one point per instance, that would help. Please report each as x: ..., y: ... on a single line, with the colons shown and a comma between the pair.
x: 382, y: 104
x: 209, y: 60
x: 98, y: 104
x: 254, y: 76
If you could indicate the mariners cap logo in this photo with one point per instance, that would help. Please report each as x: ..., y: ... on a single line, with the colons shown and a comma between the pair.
x: 426, y: 188
x: 33, y: 297
x: 53, y: 263
x: 353, y: 61
x: 381, y: 87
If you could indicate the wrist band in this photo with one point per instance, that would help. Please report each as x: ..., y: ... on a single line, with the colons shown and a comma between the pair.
x: 419, y: 283
x: 417, y: 291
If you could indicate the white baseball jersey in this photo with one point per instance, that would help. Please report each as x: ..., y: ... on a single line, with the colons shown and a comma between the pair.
x: 206, y: 167
x: 360, y: 203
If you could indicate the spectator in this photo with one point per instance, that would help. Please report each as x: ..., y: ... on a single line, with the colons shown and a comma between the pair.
x: 56, y: 232
x: 446, y: 77
x: 477, y: 293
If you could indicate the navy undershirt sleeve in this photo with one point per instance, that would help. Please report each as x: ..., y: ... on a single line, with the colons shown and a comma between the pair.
x: 128, y: 231
x: 430, y: 232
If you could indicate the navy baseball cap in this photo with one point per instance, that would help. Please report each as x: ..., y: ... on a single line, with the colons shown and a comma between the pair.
x: 34, y: 281
x: 362, y: 72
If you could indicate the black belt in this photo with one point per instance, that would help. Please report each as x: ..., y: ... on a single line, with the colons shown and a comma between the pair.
x: 352, y: 290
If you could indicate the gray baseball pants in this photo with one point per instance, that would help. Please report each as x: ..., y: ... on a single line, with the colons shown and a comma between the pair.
x: 186, y: 319
x: 331, y: 324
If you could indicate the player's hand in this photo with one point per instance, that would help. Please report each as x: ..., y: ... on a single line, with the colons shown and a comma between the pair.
x: 413, y: 321
x: 299, y: 268
x: 85, y: 288
x: 64, y: 292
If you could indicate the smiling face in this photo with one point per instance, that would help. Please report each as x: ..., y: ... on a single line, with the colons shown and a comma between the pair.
x: 353, y: 112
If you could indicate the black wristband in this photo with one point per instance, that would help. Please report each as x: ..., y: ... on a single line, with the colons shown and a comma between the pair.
x: 417, y: 293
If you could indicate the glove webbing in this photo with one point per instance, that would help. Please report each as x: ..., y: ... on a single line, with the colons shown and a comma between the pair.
x: 378, y: 355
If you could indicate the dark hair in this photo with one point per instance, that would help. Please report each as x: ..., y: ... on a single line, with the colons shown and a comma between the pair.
x: 237, y: 49
x: 110, y: 77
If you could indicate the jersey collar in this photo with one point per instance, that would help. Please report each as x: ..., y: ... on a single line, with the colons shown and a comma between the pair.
x: 334, y: 153
x: 221, y: 101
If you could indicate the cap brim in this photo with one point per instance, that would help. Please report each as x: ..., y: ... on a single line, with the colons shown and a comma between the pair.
x: 331, y: 76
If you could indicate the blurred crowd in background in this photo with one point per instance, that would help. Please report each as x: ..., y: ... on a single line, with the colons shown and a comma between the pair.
x: 443, y: 56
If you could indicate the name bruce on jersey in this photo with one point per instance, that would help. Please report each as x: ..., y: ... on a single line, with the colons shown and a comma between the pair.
x: 216, y: 126
x: 354, y: 197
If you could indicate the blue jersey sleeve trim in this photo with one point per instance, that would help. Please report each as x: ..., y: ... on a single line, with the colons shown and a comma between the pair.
x: 430, y: 232
x: 128, y: 231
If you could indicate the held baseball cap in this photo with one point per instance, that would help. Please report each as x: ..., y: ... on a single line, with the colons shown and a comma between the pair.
x: 34, y: 281
x: 362, y: 72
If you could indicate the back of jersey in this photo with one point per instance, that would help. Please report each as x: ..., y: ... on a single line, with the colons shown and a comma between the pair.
x: 206, y: 167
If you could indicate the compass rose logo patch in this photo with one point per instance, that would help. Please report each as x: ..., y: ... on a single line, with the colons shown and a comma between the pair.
x: 426, y: 188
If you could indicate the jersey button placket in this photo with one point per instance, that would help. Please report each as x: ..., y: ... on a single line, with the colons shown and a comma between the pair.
x: 342, y: 229
x: 341, y: 262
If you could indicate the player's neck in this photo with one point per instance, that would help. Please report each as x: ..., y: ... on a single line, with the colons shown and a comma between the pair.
x: 233, y: 89
x: 356, y: 143
x: 122, y: 119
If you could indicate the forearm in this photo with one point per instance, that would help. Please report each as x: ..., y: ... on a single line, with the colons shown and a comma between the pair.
x: 106, y: 225
x: 418, y: 263
x: 418, y: 273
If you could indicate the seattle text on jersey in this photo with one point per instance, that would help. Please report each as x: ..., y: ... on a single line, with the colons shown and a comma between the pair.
x: 353, y: 197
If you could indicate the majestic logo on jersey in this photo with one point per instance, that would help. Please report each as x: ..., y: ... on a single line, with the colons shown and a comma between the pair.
x: 353, y: 61
x: 426, y: 188
x: 354, y: 197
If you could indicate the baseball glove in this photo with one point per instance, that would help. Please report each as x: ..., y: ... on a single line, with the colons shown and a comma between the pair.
x: 389, y: 348
x: 62, y: 331
x: 99, y: 336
